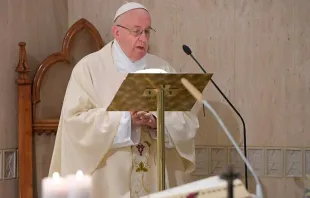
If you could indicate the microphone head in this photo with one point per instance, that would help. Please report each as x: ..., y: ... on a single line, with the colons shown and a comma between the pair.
x: 186, y: 49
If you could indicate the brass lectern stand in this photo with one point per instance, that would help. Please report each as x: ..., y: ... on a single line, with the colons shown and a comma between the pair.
x: 157, y: 92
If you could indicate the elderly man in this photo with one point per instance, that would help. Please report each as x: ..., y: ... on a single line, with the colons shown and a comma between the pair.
x: 119, y: 148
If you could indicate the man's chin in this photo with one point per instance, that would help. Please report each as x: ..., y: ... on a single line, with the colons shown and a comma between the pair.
x: 141, y: 51
x: 140, y: 55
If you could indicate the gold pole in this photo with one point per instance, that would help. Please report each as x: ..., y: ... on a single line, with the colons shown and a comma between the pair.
x: 160, y: 140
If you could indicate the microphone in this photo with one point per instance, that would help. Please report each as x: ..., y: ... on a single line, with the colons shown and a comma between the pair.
x: 198, y: 96
x: 188, y: 51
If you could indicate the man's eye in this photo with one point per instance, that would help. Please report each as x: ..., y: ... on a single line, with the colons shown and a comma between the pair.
x: 136, y: 31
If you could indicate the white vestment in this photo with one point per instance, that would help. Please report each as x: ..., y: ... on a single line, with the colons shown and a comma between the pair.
x: 90, y: 139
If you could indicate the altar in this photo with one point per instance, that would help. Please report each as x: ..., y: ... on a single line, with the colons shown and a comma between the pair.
x: 212, y: 187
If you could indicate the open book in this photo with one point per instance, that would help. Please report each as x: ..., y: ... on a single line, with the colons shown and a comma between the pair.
x: 212, y: 187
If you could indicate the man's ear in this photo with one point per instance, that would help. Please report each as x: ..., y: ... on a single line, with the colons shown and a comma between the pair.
x: 115, y: 31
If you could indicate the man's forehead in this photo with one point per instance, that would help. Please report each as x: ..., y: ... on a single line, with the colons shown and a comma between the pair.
x: 136, y: 19
x: 137, y: 13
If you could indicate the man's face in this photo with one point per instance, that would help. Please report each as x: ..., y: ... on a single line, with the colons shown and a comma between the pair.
x: 127, y: 31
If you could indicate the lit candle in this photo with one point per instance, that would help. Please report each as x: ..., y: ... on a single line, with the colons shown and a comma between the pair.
x: 54, y: 187
x: 79, y: 185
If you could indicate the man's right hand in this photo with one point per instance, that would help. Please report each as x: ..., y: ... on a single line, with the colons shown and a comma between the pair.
x: 139, y: 118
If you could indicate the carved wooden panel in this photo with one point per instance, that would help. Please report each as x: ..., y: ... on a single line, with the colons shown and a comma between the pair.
x: 42, y: 106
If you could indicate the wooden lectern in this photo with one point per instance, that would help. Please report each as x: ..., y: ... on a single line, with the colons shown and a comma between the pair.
x: 157, y: 92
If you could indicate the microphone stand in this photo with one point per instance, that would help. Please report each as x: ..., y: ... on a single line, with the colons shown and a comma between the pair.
x: 230, y: 176
x: 243, y: 123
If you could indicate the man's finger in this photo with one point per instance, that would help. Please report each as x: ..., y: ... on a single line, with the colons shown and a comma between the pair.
x: 148, y: 114
x: 133, y: 112
x: 141, y: 113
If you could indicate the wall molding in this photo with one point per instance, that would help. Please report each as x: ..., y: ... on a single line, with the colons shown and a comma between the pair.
x: 277, y: 162
x: 8, y: 164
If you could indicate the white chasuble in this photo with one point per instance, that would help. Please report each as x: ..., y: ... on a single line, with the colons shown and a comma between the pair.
x: 87, y: 134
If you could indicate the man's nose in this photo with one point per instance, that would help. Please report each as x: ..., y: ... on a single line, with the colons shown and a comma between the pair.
x: 143, y: 37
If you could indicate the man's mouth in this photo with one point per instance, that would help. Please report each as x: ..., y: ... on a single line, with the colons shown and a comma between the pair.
x: 140, y: 47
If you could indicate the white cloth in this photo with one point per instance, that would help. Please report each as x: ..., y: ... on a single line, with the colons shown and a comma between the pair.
x: 126, y: 135
x: 127, y: 7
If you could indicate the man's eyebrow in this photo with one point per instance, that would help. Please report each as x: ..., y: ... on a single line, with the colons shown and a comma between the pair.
x: 137, y: 26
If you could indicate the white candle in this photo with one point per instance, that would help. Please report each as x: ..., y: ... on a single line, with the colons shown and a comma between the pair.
x: 80, y: 185
x: 54, y: 187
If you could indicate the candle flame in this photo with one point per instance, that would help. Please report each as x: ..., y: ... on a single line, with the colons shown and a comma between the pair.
x: 79, y: 174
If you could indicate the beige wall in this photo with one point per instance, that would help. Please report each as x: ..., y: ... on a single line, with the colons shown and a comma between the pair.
x: 259, y: 53
x: 42, y: 25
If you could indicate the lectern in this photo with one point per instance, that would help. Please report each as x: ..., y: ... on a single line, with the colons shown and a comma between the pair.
x: 157, y: 92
